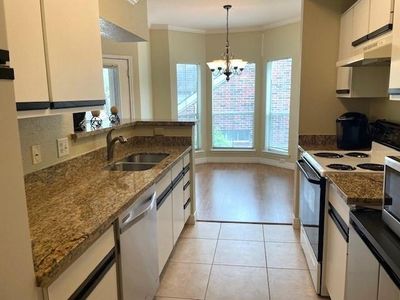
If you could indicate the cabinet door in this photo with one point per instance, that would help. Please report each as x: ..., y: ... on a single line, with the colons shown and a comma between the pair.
x: 394, y: 82
x: 73, y: 47
x: 346, y: 35
x: 387, y: 288
x: 25, y: 43
x: 107, y: 288
x: 361, y: 20
x: 343, y: 88
x: 165, y: 232
x: 178, y: 211
x: 336, y: 261
x: 381, y: 14
x: 362, y: 270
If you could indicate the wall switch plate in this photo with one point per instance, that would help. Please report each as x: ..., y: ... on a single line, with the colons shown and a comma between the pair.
x: 63, y: 147
x: 36, y: 154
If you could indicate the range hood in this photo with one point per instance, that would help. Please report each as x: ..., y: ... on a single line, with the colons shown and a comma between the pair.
x: 375, y: 53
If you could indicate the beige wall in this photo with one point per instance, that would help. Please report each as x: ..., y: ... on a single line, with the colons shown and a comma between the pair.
x: 384, y: 109
x: 123, y: 14
x: 160, y: 64
x: 319, y: 106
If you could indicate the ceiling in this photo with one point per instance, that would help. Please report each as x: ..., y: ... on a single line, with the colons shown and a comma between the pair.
x: 208, y: 15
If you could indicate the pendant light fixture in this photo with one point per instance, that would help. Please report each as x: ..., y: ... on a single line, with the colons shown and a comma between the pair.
x: 227, y: 65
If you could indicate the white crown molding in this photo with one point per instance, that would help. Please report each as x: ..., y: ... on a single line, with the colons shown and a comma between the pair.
x: 282, y: 23
x: 175, y: 28
x: 232, y: 30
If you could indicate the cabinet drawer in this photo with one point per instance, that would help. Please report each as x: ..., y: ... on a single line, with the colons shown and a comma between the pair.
x: 187, y: 208
x: 186, y: 192
x: 177, y: 168
x: 339, y: 204
x: 163, y: 184
x: 75, y: 275
x: 186, y: 179
x: 186, y: 160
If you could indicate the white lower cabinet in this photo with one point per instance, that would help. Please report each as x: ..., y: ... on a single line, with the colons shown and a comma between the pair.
x: 362, y: 270
x: 165, y: 232
x: 173, y: 209
x: 388, y: 290
x: 92, y: 276
x: 336, y: 261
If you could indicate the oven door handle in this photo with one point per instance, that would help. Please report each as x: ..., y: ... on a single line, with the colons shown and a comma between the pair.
x: 308, y: 172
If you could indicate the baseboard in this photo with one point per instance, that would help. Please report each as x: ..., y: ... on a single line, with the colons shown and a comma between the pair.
x: 249, y: 160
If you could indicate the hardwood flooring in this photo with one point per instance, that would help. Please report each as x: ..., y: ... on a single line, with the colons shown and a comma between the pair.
x: 251, y: 193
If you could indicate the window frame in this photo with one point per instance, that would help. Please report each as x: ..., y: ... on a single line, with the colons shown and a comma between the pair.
x: 254, y: 141
x: 267, y: 105
x: 198, y: 126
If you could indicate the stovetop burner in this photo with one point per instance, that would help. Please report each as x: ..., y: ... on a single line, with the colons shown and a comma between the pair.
x: 357, y: 154
x: 372, y: 167
x: 341, y: 167
x: 328, y: 155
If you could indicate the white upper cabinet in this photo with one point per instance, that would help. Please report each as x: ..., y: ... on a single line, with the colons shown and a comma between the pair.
x: 361, y: 20
x: 346, y: 35
x: 394, y: 82
x: 27, y: 56
x: 73, y: 48
x: 381, y: 14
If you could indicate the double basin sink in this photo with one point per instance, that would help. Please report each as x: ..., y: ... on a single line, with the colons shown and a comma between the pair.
x: 137, y: 162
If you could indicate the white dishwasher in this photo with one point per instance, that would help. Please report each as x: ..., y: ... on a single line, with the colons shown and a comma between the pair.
x: 139, y: 248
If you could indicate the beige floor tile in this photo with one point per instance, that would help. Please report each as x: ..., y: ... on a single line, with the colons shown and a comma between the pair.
x: 240, y: 253
x: 194, y: 251
x: 237, y: 283
x: 244, y: 232
x: 183, y: 280
x: 285, y: 255
x: 281, y: 233
x: 291, y: 284
x: 202, y: 230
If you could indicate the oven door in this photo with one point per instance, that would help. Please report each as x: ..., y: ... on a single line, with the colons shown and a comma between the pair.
x: 312, y: 205
x: 391, y: 206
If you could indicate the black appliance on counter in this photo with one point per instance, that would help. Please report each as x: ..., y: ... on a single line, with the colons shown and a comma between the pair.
x: 352, y: 130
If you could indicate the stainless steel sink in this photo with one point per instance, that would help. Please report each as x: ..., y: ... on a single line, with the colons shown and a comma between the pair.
x: 129, y: 166
x: 145, y: 157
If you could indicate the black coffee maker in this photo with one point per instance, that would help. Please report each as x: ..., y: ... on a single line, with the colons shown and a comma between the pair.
x: 352, y: 130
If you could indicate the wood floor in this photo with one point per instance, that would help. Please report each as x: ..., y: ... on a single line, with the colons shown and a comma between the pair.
x: 244, y: 193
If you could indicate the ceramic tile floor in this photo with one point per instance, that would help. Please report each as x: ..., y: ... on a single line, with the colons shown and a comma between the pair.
x: 216, y: 261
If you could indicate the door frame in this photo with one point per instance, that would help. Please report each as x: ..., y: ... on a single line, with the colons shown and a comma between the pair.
x: 129, y: 60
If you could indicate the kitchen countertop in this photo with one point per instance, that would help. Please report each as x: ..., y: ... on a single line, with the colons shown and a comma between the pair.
x: 359, y: 188
x: 71, y: 204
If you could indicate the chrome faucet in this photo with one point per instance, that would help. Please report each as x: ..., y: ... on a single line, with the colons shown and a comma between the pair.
x: 111, y: 144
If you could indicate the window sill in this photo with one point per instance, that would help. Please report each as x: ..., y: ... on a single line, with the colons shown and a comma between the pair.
x: 232, y: 150
x: 280, y: 153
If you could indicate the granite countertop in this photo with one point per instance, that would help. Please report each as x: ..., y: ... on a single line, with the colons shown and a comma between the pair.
x: 71, y: 204
x: 359, y: 188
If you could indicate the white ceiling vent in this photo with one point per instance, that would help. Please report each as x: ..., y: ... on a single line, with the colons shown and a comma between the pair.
x: 133, y: 2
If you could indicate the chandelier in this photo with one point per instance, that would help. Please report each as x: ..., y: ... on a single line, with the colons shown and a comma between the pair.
x: 228, y: 65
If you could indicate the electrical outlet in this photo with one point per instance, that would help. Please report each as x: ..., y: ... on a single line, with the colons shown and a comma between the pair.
x: 36, y: 154
x: 63, y: 147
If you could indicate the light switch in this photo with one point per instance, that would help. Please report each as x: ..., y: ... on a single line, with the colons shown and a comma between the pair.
x: 63, y: 147
x: 36, y: 155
